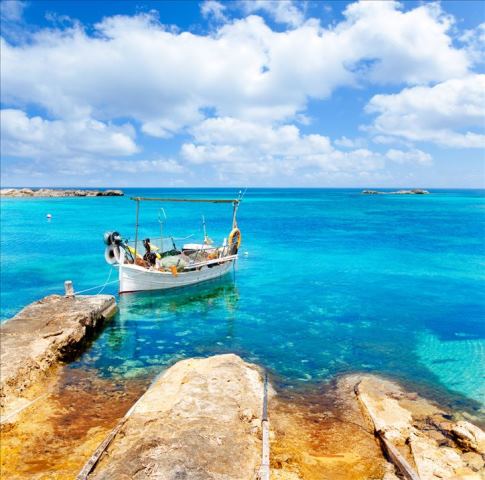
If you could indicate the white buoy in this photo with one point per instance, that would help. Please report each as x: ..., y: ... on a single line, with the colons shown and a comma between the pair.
x: 49, y: 216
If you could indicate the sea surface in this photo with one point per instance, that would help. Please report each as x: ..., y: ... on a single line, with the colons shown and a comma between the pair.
x: 328, y: 282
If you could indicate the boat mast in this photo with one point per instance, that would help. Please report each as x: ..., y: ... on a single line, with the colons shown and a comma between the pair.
x: 235, y: 205
x: 136, y: 224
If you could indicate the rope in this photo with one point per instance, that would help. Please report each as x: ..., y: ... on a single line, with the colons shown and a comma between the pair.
x: 103, y: 286
x: 16, y: 412
x: 93, y: 460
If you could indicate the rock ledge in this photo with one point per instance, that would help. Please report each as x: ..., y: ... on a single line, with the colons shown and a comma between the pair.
x: 41, y: 336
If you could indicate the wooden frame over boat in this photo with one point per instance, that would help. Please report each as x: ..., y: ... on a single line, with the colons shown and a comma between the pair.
x: 159, y: 270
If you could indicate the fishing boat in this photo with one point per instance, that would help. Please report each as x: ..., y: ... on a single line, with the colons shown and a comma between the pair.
x: 157, y: 268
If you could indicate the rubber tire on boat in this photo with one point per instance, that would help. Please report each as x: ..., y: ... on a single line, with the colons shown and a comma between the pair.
x: 112, y: 254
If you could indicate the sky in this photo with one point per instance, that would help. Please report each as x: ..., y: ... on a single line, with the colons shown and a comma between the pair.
x: 255, y: 93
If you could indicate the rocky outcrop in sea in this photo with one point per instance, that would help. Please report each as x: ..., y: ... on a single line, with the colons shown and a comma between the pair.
x: 414, y: 191
x: 54, y: 192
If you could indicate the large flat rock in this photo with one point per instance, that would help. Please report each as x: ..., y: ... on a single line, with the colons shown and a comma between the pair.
x: 42, y: 335
x: 199, y: 420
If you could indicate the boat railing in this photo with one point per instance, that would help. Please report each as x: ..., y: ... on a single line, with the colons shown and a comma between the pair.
x: 158, y: 239
x: 215, y: 261
x: 211, y: 262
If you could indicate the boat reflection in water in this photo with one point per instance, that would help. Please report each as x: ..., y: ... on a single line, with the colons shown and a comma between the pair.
x: 156, y: 329
x: 198, y: 298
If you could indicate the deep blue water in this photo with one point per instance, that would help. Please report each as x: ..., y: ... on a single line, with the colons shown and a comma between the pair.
x: 334, y: 281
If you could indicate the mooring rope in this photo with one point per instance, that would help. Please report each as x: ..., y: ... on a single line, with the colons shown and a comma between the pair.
x: 21, y: 409
x: 93, y: 460
x: 103, y: 286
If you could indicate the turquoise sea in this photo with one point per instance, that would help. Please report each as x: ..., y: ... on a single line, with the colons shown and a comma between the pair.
x: 333, y: 282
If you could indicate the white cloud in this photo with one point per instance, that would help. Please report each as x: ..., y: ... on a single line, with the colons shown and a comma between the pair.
x: 413, y: 46
x: 232, y: 145
x: 351, y: 142
x: 213, y: 9
x: 386, y: 140
x: 133, y: 67
x: 288, y: 12
x: 254, y: 80
x: 409, y: 156
x: 35, y: 137
x: 474, y: 40
x: 100, y: 170
x: 156, y: 166
x: 12, y: 10
x: 450, y: 113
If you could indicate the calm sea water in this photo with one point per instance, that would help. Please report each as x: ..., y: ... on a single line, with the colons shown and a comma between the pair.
x: 333, y: 282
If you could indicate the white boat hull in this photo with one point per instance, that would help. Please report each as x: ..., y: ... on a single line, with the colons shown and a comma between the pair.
x: 136, y: 279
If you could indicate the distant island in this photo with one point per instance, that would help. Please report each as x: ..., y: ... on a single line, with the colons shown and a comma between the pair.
x: 51, y: 192
x: 414, y: 191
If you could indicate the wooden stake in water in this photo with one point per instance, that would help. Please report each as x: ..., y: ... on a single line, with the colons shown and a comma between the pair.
x: 69, y: 289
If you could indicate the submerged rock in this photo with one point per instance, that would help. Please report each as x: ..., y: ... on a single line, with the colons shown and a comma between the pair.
x: 50, y: 192
x: 41, y: 336
x: 321, y: 433
x: 199, y: 420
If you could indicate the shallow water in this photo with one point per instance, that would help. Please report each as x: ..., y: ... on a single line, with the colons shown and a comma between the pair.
x: 55, y: 436
x: 333, y: 282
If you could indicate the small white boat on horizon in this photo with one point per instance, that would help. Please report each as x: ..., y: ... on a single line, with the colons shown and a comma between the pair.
x: 159, y: 269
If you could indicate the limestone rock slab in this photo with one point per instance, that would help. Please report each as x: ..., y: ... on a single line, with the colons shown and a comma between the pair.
x: 199, y: 420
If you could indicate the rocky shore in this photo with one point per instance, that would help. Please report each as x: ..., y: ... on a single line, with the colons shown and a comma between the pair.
x: 201, y: 419
x: 51, y: 192
x: 432, y: 442
x: 414, y: 191
x: 339, y: 433
x: 40, y: 337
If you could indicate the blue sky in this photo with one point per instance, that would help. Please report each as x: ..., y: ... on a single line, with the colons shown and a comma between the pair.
x: 243, y: 93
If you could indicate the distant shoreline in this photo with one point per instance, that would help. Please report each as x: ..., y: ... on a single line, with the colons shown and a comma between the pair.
x: 414, y: 191
x: 52, y: 192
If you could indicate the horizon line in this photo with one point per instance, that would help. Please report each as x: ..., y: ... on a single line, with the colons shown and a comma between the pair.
x: 241, y: 188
